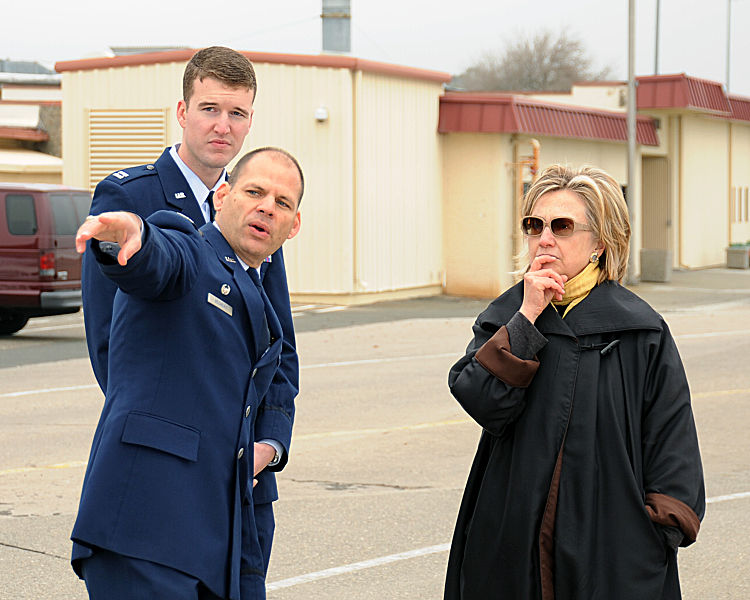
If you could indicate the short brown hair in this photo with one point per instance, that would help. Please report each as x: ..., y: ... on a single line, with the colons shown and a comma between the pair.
x: 606, y: 211
x: 223, y: 64
x: 237, y: 170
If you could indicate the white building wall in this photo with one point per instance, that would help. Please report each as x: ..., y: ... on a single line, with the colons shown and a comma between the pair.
x: 705, y: 185
x: 740, y: 184
x: 478, y: 226
x: 31, y: 93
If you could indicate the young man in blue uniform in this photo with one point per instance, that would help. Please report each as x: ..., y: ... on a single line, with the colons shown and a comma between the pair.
x: 167, y: 502
x: 215, y: 113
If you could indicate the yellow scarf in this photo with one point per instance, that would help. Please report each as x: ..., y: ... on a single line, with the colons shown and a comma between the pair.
x: 578, y: 288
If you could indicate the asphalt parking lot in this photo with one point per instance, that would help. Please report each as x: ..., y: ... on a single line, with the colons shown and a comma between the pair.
x: 380, y: 453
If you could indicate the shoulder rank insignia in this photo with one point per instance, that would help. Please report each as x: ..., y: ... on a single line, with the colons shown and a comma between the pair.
x: 120, y: 174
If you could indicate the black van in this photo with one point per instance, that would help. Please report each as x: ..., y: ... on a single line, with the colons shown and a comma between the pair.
x: 40, y: 270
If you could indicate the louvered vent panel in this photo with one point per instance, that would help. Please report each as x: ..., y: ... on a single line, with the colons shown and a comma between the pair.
x: 123, y: 138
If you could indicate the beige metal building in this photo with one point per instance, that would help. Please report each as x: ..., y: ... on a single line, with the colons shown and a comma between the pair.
x: 364, y: 132
x: 413, y: 191
x: 490, y: 139
x: 704, y: 172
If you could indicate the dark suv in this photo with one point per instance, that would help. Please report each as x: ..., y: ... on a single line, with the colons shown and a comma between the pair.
x: 40, y: 270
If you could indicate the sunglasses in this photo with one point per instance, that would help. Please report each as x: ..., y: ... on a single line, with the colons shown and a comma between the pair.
x: 559, y: 226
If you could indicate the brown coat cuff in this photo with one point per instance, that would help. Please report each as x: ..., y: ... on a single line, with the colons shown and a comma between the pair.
x: 669, y: 511
x: 496, y: 357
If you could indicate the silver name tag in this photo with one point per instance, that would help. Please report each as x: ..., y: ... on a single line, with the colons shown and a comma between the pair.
x: 219, y: 303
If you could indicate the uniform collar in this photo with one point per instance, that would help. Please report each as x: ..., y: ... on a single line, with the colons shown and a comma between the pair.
x: 199, y: 189
x: 243, y: 264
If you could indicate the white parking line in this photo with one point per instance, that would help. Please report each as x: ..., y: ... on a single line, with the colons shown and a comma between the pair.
x: 384, y: 560
x: 380, y: 430
x: 67, y: 465
x: 358, y: 566
x: 372, y: 361
x: 328, y: 309
x: 346, y: 363
x: 728, y: 497
x: 709, y: 334
x: 52, y: 328
x: 48, y: 390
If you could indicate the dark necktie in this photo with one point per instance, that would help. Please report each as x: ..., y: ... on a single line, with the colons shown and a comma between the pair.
x: 210, y: 202
x: 256, y: 280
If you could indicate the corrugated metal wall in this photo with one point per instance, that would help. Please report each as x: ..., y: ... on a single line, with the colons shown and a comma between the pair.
x: 155, y: 87
x: 320, y: 258
x: 398, y: 183
x: 372, y: 168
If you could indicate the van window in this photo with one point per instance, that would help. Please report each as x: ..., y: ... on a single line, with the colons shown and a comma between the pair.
x: 64, y: 213
x: 83, y: 205
x: 20, y: 214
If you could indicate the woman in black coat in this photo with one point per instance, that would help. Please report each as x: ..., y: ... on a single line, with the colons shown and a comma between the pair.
x: 588, y: 475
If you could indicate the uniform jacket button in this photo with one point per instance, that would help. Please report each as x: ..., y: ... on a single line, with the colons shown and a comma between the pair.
x: 253, y: 373
x: 241, y: 453
x: 247, y: 410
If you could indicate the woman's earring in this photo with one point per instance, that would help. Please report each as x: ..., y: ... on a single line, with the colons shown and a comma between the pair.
x: 594, y: 258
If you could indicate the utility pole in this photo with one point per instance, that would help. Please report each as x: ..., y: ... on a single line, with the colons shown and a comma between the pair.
x: 729, y: 39
x: 656, y: 45
x: 631, y: 194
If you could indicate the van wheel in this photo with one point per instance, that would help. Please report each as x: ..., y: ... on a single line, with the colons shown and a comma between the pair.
x: 10, y: 323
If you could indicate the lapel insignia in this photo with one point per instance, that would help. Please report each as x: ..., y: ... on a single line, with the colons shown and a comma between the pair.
x: 225, y: 289
x: 179, y: 195
x: 219, y: 303
x: 229, y: 259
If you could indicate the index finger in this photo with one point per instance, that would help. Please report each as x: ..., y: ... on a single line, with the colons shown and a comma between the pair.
x: 88, y: 229
x: 540, y: 260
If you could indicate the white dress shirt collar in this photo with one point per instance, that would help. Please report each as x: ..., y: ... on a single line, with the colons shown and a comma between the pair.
x: 199, y: 189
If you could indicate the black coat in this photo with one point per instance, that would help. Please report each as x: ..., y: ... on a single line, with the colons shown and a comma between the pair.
x: 585, y: 481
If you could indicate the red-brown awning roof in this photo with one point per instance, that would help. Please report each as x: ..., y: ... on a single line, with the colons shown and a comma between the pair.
x: 740, y: 108
x: 27, y: 134
x: 503, y: 113
x: 682, y: 91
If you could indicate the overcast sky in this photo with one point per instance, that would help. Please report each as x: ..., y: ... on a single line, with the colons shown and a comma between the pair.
x: 445, y: 36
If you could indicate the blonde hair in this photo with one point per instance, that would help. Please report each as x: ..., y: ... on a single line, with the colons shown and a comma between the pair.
x: 606, y: 211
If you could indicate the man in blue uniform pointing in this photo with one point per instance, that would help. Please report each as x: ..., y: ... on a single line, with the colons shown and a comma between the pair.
x: 215, y: 113
x: 167, y: 502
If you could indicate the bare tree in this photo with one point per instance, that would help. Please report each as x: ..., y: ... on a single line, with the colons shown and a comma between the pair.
x: 547, y: 61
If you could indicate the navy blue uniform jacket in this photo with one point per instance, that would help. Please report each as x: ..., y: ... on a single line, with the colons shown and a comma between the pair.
x: 192, y: 357
x: 144, y: 190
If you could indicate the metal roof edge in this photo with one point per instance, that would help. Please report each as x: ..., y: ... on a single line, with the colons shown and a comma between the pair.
x: 312, y: 60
